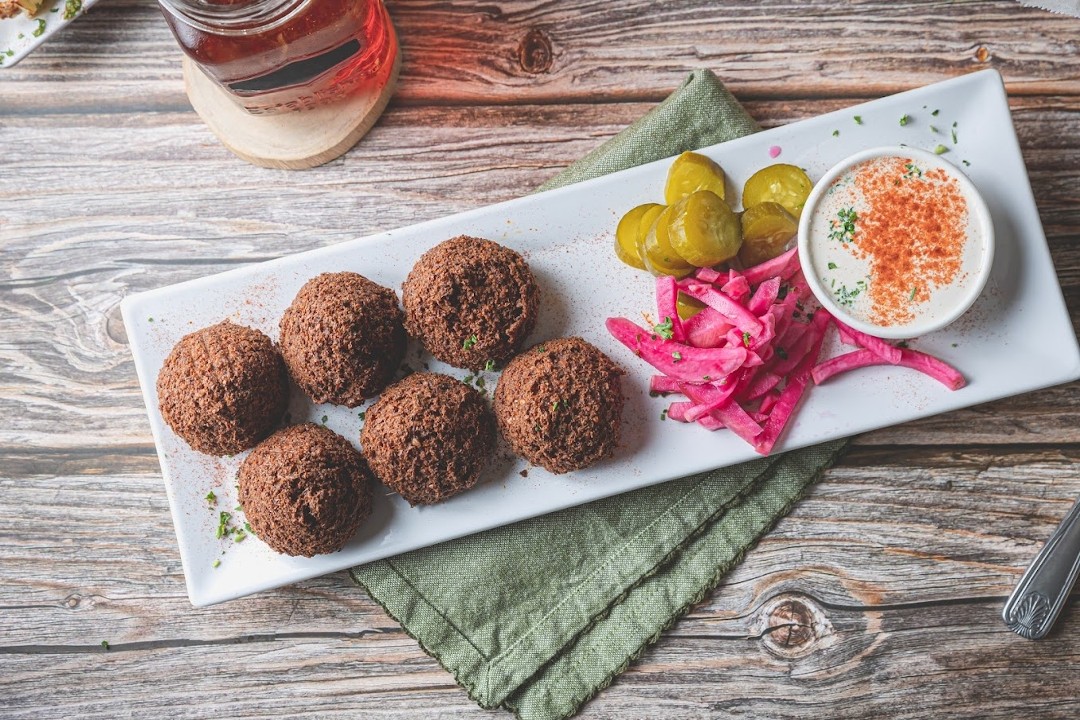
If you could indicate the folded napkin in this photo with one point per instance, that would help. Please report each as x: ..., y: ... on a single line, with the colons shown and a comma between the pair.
x: 539, y: 616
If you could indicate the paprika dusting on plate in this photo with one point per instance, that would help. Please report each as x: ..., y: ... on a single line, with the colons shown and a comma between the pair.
x: 896, y: 243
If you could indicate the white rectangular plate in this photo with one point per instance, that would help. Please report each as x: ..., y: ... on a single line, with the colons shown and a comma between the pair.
x: 21, y: 34
x: 566, y: 236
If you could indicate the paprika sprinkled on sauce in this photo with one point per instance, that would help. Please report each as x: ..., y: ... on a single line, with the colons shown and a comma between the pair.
x: 898, y: 240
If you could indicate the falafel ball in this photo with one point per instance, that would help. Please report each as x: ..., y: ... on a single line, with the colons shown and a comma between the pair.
x: 471, y: 302
x: 223, y: 388
x: 342, y: 338
x: 305, y: 490
x: 559, y: 405
x: 428, y: 437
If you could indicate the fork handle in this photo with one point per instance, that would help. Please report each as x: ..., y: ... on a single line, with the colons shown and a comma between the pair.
x: 1043, y: 590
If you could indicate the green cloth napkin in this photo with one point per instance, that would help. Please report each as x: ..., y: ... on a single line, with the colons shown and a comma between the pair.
x: 539, y: 616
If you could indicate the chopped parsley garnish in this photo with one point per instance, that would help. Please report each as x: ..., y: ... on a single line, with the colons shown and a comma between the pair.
x: 676, y: 356
x: 40, y: 29
x: 489, y: 366
x: 543, y: 348
x: 71, y: 8
x: 663, y: 414
x: 911, y: 171
x: 211, y: 498
x: 746, y: 338
x: 105, y: 644
x: 239, y: 535
x: 665, y: 329
x: 223, y: 524
x: 912, y: 297
x: 216, y: 564
x: 706, y: 378
x: 934, y: 129
x: 845, y: 296
x: 954, y: 140
x: 858, y: 119
x: 904, y: 120
x: 935, y: 113
x: 149, y: 319
x: 468, y: 379
x: 843, y: 229
x: 967, y: 164
x: 324, y: 419
x: 555, y: 406
x: 480, y: 382
x: 248, y: 529
x: 940, y: 149
x: 362, y: 414
x: 469, y: 342
x: 836, y: 133
x: 832, y: 266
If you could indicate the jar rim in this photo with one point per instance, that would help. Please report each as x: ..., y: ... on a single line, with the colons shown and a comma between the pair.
x: 255, y: 16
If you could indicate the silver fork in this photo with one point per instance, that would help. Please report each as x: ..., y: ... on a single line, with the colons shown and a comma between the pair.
x: 1044, y: 589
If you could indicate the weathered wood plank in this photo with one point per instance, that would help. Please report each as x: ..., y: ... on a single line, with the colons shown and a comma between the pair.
x: 886, y: 528
x: 897, y: 663
x: 895, y: 576
x: 121, y: 57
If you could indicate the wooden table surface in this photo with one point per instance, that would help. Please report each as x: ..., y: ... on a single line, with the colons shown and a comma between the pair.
x: 879, y: 596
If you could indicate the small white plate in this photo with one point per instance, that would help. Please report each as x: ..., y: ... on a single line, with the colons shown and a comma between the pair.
x: 1016, y: 338
x: 21, y: 34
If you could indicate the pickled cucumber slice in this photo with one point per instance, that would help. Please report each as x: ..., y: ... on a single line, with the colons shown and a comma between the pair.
x: 703, y: 230
x: 649, y: 218
x: 660, y: 258
x: 780, y: 183
x: 767, y: 228
x: 630, y: 231
x: 688, y: 307
x: 691, y: 172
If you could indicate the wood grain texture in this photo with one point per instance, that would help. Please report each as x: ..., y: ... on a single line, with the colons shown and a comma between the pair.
x: 877, y: 597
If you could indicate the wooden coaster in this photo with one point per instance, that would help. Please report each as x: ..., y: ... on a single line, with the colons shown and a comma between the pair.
x: 290, y: 141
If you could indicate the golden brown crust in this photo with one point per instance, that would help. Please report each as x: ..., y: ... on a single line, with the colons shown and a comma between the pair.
x: 305, y: 490
x: 428, y: 437
x: 223, y: 388
x: 471, y: 301
x: 342, y: 338
x: 559, y: 405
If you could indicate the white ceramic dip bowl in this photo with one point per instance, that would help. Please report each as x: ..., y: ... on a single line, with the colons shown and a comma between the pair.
x: 896, y: 242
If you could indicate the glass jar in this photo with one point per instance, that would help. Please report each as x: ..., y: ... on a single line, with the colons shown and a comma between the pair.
x: 275, y: 56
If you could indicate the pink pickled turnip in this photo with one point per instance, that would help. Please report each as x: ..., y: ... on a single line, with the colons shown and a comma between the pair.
x: 941, y: 371
x: 677, y: 360
x: 746, y: 360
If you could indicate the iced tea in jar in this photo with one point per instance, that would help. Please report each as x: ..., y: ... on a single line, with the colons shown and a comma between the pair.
x: 274, y: 56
